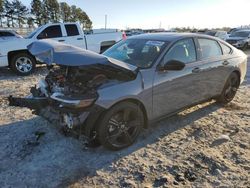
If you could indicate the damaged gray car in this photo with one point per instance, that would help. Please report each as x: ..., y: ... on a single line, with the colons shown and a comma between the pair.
x: 109, y: 98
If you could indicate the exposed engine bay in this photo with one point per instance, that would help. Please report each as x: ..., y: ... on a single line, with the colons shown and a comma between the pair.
x: 67, y: 94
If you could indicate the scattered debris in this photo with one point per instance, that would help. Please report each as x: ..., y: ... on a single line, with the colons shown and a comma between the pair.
x: 220, y: 140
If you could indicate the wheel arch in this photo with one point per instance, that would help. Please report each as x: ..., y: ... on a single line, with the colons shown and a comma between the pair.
x: 12, y: 53
x: 238, y: 73
x: 141, y: 106
x: 92, y: 121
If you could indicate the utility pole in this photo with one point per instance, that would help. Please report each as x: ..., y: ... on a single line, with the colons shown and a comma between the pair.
x: 106, y: 19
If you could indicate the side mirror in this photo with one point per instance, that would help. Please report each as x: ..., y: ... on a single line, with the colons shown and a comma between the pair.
x: 173, y: 65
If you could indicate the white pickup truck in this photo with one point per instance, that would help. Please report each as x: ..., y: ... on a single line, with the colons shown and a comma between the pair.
x: 14, y: 53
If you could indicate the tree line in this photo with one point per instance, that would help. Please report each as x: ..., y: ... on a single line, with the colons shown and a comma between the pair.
x: 15, y: 14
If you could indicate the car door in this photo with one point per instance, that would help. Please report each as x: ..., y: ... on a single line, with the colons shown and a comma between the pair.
x: 74, y: 37
x: 52, y: 32
x: 213, y: 67
x: 173, y: 90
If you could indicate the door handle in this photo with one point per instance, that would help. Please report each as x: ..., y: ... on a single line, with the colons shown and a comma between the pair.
x: 79, y: 38
x: 225, y: 62
x: 61, y: 40
x: 196, y: 70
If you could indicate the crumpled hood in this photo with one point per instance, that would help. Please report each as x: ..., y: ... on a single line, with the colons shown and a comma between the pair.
x: 52, y: 52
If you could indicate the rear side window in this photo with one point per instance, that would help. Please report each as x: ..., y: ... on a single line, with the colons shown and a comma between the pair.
x: 226, y: 50
x: 209, y: 48
x: 51, y: 32
x: 6, y: 34
x: 71, y: 30
x: 183, y: 50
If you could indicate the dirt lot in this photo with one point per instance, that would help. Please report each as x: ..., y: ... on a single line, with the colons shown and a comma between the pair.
x: 204, y: 146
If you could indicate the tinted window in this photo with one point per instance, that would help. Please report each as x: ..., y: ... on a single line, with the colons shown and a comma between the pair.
x: 209, y: 48
x: 72, y: 30
x: 51, y: 32
x: 139, y: 52
x: 240, y: 34
x: 6, y: 34
x: 225, y: 49
x: 183, y: 51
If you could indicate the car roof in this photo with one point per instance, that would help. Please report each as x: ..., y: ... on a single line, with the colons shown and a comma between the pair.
x: 169, y: 37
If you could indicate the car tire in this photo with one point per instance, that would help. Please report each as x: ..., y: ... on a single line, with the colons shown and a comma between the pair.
x: 230, y: 89
x: 23, y: 64
x: 120, y: 126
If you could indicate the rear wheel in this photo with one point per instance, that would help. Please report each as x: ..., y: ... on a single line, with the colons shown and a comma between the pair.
x: 120, y: 126
x: 23, y: 63
x: 230, y: 89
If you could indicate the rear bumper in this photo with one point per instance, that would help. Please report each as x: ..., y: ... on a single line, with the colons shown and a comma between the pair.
x: 3, y: 61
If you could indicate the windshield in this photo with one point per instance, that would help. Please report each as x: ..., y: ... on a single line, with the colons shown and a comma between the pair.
x: 240, y: 34
x: 29, y: 36
x: 138, y: 52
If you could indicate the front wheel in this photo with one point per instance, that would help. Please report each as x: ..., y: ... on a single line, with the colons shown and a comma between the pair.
x: 230, y: 89
x: 120, y: 126
x: 23, y: 64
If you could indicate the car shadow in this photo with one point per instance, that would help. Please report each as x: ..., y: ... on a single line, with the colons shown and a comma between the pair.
x: 34, y: 150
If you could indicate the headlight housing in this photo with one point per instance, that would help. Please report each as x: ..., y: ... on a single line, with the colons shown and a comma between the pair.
x: 72, y: 102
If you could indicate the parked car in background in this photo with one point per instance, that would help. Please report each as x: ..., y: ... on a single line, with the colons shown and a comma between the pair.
x: 111, y: 97
x: 15, y: 55
x: 8, y: 34
x: 240, y: 39
x: 132, y: 32
x: 220, y: 34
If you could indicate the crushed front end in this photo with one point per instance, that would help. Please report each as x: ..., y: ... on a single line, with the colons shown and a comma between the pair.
x: 66, y: 96
x: 68, y: 93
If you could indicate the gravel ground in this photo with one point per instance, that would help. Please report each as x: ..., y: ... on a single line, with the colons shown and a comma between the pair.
x: 205, y: 146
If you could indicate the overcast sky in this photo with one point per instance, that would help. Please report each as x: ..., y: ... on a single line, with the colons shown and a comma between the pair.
x: 164, y: 13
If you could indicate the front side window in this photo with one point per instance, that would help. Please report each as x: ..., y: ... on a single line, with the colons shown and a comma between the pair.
x: 209, y: 48
x: 51, y: 32
x: 71, y: 30
x: 139, y: 52
x: 183, y: 50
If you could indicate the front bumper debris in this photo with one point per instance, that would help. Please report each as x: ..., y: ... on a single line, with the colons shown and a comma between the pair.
x: 44, y: 107
x: 31, y: 103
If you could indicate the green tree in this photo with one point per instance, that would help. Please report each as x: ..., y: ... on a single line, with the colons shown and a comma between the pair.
x: 73, y: 17
x: 78, y: 15
x: 30, y: 22
x: 37, y: 11
x: 20, y: 12
x: 52, y: 10
x: 65, y: 12
x: 1, y: 12
x: 9, y: 13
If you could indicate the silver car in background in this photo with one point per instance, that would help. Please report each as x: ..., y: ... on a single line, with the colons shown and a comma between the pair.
x: 109, y: 98
x: 6, y: 34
